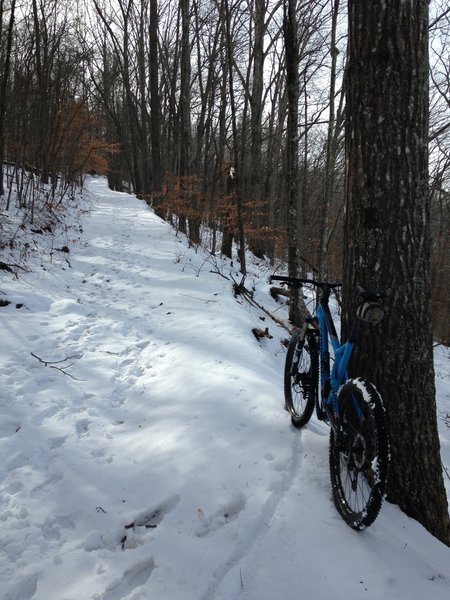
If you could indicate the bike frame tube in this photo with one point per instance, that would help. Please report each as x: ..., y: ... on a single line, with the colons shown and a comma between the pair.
x: 324, y: 352
x: 342, y: 353
x: 339, y: 370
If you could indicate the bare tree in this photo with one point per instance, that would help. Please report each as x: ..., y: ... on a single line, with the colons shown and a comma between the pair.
x: 291, y: 44
x: 5, y: 63
x: 237, y: 178
x: 334, y: 129
x: 155, y: 102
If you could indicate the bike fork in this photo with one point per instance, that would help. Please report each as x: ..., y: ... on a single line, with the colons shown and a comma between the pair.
x: 332, y: 412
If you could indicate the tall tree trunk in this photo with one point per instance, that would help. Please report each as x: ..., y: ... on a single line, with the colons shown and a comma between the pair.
x: 238, y: 176
x: 303, y: 216
x: 330, y: 159
x: 4, y: 83
x: 155, y: 103
x: 142, y: 82
x: 184, y: 110
x: 42, y: 125
x: 256, y: 187
x: 226, y: 221
x: 387, y: 241
x: 291, y: 43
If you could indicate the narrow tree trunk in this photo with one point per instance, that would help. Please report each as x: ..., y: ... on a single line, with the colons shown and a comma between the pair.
x: 330, y: 151
x: 238, y: 198
x: 256, y: 243
x: 4, y: 85
x: 155, y: 108
x: 144, y: 120
x: 303, y: 214
x: 292, y: 190
x: 184, y: 110
x: 387, y: 241
x: 226, y: 226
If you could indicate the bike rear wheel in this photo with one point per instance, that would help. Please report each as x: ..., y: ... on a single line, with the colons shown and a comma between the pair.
x: 359, y: 454
x: 301, y: 377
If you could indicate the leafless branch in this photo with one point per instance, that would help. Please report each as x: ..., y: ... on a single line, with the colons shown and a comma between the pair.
x: 52, y: 364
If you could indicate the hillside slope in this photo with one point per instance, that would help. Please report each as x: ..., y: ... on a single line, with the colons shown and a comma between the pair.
x: 145, y: 450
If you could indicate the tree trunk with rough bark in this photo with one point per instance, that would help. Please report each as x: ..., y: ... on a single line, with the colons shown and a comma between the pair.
x: 233, y: 116
x: 292, y: 141
x: 330, y: 161
x: 4, y: 76
x: 184, y: 112
x: 259, y: 10
x: 387, y: 240
x: 155, y: 102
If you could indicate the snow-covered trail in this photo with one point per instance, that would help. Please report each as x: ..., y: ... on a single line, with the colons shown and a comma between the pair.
x: 160, y: 465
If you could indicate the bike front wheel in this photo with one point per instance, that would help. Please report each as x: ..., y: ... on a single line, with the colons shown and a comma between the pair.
x: 301, y: 376
x: 359, y: 454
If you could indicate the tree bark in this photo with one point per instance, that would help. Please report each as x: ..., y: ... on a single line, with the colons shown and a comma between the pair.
x: 259, y: 10
x: 4, y: 84
x: 237, y: 184
x: 225, y: 188
x: 142, y: 82
x: 292, y: 186
x: 387, y: 241
x: 155, y: 107
x: 330, y: 161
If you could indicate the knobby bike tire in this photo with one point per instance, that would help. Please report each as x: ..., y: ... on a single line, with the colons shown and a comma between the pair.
x: 359, y: 455
x: 301, y: 373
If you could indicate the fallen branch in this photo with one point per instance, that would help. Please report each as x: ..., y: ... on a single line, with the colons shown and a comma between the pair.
x: 217, y: 272
x: 239, y: 288
x: 9, y: 268
x: 278, y: 291
x: 5, y: 267
x: 52, y: 364
x: 248, y: 296
x: 260, y: 333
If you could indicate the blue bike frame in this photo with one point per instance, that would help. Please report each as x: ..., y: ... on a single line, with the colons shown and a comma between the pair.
x: 332, y: 381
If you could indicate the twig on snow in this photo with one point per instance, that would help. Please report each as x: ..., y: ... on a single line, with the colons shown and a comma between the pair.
x: 52, y: 364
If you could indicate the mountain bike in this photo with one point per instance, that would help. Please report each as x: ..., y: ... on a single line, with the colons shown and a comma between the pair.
x: 353, y: 408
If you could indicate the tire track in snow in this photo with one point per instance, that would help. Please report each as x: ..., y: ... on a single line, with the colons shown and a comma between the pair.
x: 261, y: 525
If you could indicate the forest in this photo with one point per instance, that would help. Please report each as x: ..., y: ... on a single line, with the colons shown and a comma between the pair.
x: 185, y: 103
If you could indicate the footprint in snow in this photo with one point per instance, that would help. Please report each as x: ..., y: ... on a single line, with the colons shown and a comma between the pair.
x: 42, y: 488
x: 56, y: 442
x: 52, y: 526
x: 142, y: 345
x: 24, y: 589
x: 127, y: 361
x: 148, y: 519
x: 221, y: 517
x: 101, y: 456
x: 48, y: 413
x: 117, y: 399
x: 82, y: 427
x: 13, y: 487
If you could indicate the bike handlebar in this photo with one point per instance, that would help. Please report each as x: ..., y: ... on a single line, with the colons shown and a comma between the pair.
x: 298, y: 282
x: 370, y: 295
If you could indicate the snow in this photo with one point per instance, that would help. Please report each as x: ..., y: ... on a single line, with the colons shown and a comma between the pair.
x: 145, y: 450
